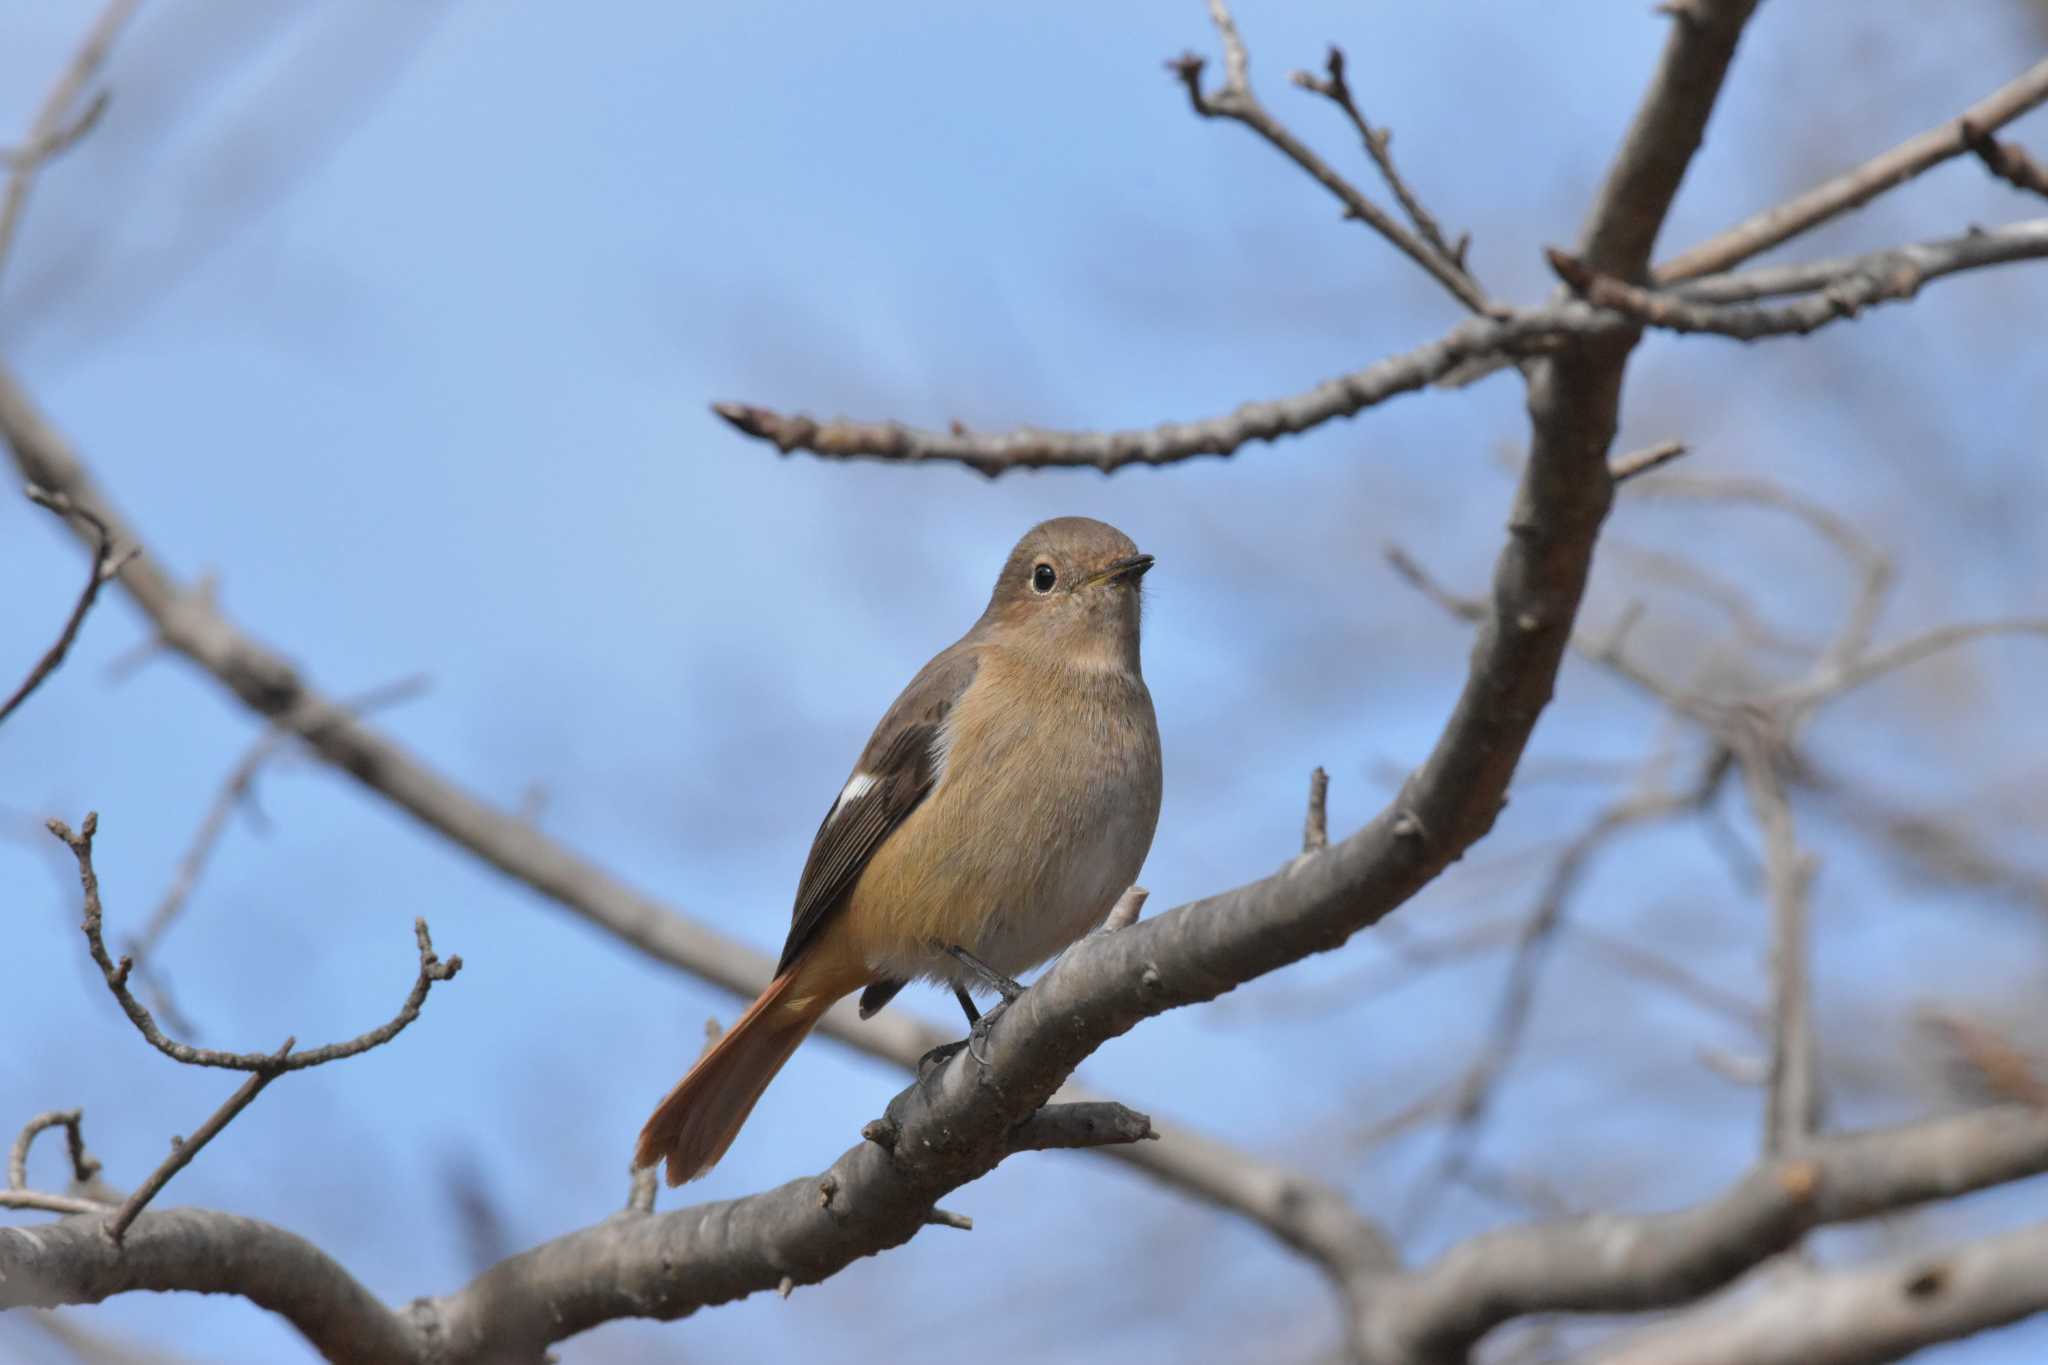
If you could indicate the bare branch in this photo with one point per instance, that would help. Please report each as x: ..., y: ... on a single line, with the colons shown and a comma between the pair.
x: 84, y: 1166
x: 1836, y: 290
x: 1874, y: 666
x: 1315, y: 827
x: 995, y: 453
x: 1860, y: 185
x: 201, y: 1251
x: 53, y: 129
x: 1864, y: 1316
x: 1643, y: 461
x: 1378, y: 145
x: 1096, y: 1123
x: 1608, y: 1263
x: 1236, y: 101
x: 1630, y: 207
x: 106, y: 562
x: 184, y: 1149
x: 1794, y: 1095
x: 1125, y: 912
x: 432, y: 969
x: 1881, y: 277
x: 2008, y: 161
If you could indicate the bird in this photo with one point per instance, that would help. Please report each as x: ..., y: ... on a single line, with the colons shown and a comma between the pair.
x: 1006, y: 800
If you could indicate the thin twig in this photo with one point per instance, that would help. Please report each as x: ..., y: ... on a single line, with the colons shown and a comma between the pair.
x: 53, y: 130
x: 1872, y: 565
x: 1125, y: 912
x: 84, y: 1165
x: 1315, y: 827
x: 1235, y: 101
x: 1628, y: 466
x: 84, y: 1168
x: 1916, y: 154
x: 1378, y: 145
x: 1871, y: 667
x: 432, y: 969
x: 1793, y: 1107
x: 1880, y: 277
x: 106, y: 562
x: 184, y: 1149
x: 1858, y: 280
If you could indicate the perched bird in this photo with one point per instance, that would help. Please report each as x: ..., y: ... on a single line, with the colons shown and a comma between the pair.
x: 1004, y: 803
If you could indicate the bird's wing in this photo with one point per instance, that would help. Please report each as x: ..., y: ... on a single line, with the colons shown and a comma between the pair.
x: 896, y: 771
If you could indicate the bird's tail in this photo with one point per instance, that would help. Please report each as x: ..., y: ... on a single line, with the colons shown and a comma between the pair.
x: 698, y: 1120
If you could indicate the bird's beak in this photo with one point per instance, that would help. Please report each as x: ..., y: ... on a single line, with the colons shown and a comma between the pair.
x: 1131, y: 567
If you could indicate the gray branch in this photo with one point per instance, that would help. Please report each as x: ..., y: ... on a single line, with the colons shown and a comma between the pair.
x: 1833, y: 291
x: 1613, y: 1264
x: 1864, y: 1316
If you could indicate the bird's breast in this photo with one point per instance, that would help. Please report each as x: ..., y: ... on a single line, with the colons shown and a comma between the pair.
x: 1041, y: 818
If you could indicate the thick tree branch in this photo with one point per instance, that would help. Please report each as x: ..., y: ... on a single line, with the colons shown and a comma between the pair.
x: 1608, y: 1263
x: 1859, y: 186
x: 1865, y: 1316
x: 205, y: 1252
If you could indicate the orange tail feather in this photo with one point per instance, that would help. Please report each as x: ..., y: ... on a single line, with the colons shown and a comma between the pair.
x: 696, y: 1122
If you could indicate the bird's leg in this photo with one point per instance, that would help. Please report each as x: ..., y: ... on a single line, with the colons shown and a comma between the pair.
x: 979, y: 1024
x: 990, y: 977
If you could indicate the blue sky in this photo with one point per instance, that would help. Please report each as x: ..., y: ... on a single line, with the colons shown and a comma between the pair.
x: 403, y: 319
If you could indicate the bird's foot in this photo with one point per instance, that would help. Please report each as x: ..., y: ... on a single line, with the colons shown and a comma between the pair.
x: 978, y: 1031
x: 939, y: 1056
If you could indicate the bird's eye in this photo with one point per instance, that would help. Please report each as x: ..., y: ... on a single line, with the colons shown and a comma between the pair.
x: 1042, y: 578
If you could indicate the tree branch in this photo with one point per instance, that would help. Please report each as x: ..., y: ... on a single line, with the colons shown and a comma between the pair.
x: 1607, y: 1263
x: 106, y: 562
x: 51, y: 133
x: 1235, y: 101
x: 206, y: 1252
x: 1378, y: 145
x: 1865, y: 1316
x: 1838, y: 289
x: 432, y: 969
x: 1859, y: 186
x: 1794, y: 1096
x: 1846, y: 288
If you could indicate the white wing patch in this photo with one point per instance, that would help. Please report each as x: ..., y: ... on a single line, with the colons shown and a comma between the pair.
x: 942, y: 749
x: 857, y: 786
